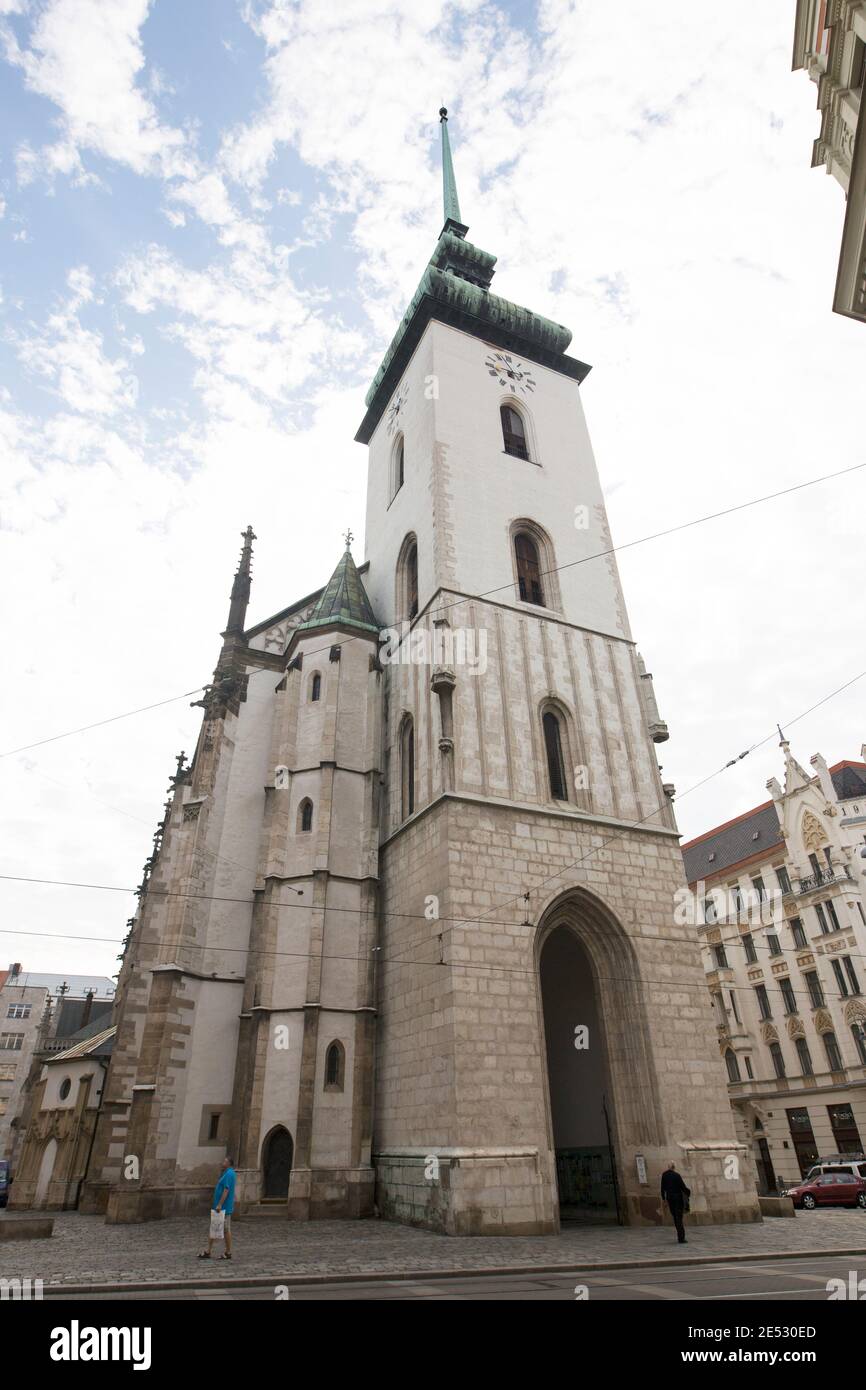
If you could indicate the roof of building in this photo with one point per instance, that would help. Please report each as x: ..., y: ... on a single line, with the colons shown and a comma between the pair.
x: 756, y: 832
x: 69, y: 1014
x: 99, y: 1045
x: 78, y: 985
x: 455, y: 289
x: 849, y: 779
x: 344, y: 601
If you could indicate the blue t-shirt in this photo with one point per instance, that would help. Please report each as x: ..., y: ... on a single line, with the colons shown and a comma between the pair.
x: 226, y: 1184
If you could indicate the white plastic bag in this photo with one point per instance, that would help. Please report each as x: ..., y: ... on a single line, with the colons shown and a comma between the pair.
x: 217, y: 1225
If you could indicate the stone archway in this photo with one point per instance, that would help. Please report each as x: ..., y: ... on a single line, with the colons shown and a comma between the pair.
x: 602, y: 1092
x: 277, y: 1155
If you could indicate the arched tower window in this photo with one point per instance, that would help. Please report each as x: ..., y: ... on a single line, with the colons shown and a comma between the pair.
x: 528, y: 569
x: 407, y: 580
x: 335, y: 1067
x: 407, y: 767
x: 513, y: 432
x: 305, y: 814
x: 316, y: 687
x: 555, y: 761
x: 398, y: 466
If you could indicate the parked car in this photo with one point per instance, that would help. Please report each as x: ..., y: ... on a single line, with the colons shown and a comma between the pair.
x: 5, y: 1181
x: 838, y: 1163
x: 830, y: 1189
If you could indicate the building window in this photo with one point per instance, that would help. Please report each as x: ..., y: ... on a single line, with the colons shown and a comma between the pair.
x: 407, y: 767
x: 778, y: 1060
x: 734, y: 1010
x: 840, y: 978
x: 736, y: 897
x: 831, y: 913
x: 19, y: 1011
x: 555, y: 761
x: 784, y: 880
x: 721, y: 958
x: 335, y: 1067
x: 834, y: 1056
x: 11, y: 1042
x: 763, y: 1001
x: 852, y: 974
x: 528, y: 569
x: 862, y: 913
x: 822, y: 920
x: 733, y: 1066
x: 316, y: 687
x: 65, y: 1088
x: 407, y: 580
x: 816, y: 993
x: 305, y: 815
x: 749, y: 1073
x: 844, y: 1126
x: 797, y: 932
x: 513, y: 432
x: 711, y: 910
x: 859, y: 1034
x: 805, y: 1057
x: 213, y: 1128
x: 749, y: 945
x: 788, y: 995
x: 803, y: 1137
x: 760, y: 889
x: 773, y: 944
x: 398, y: 466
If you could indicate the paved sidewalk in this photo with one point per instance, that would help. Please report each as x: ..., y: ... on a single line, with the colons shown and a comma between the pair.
x: 84, y: 1250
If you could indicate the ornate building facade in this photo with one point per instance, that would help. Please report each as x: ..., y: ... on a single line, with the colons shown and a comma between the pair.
x: 407, y: 940
x: 830, y: 45
x: 783, y: 925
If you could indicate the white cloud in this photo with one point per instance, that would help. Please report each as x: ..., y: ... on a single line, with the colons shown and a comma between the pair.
x: 72, y: 358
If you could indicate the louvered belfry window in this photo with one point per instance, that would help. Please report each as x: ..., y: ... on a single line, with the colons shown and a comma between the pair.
x: 528, y: 569
x: 555, y: 760
x: 513, y: 432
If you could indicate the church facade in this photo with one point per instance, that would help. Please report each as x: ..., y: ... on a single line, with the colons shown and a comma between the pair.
x: 407, y: 942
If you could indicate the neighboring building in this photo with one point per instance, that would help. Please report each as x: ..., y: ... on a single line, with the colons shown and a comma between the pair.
x: 405, y: 882
x: 58, y: 1137
x: 783, y: 894
x: 830, y: 44
x: 38, y: 1011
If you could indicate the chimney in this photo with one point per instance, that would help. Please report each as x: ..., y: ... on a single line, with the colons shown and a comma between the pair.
x: 14, y: 969
x: 88, y: 1005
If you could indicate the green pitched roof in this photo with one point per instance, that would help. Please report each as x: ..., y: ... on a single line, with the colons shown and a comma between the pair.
x: 344, y: 601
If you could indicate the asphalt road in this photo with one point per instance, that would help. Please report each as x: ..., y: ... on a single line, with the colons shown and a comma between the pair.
x: 802, y: 1280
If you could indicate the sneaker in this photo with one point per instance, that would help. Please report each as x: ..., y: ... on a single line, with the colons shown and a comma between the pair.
x: 225, y: 1256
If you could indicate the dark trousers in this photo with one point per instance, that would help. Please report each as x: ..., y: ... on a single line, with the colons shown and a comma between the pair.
x: 676, y: 1209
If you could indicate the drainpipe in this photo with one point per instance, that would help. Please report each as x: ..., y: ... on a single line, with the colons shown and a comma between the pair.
x: 104, y: 1066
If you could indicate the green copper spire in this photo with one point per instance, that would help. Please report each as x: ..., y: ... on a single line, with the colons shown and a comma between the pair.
x: 449, y: 183
x: 344, y: 601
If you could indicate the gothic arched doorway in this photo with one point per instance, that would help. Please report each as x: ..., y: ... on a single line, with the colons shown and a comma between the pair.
x: 46, y: 1172
x: 602, y: 1089
x: 577, y: 1076
x: 277, y: 1153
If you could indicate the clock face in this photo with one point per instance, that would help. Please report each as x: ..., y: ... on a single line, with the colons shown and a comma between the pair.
x: 395, y: 407
x: 509, y: 372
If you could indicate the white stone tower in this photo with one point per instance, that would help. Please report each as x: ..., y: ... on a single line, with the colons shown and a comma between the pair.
x: 529, y: 860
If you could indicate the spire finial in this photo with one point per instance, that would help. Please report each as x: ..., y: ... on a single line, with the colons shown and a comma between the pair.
x: 450, y: 200
x: 348, y: 538
x: 240, y: 595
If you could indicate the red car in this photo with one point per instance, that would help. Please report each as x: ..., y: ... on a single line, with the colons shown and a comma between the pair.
x: 830, y: 1189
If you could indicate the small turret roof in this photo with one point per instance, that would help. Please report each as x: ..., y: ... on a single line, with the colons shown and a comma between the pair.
x: 344, y: 601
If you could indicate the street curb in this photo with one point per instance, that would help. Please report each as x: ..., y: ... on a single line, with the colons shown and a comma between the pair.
x: 426, y: 1275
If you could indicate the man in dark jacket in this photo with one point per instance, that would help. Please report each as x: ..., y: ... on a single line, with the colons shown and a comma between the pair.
x: 676, y: 1194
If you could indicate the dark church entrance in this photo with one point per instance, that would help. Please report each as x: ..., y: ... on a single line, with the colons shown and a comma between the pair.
x: 277, y: 1163
x: 577, y: 1074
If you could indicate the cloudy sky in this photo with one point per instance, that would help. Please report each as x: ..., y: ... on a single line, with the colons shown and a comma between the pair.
x: 213, y: 214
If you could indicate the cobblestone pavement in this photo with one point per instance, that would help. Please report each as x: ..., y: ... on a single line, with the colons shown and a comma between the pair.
x: 84, y: 1250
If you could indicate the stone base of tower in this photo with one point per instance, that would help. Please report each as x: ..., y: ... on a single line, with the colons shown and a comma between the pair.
x: 466, y: 1192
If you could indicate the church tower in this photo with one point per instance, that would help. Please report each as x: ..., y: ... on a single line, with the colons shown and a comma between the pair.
x: 545, y: 1043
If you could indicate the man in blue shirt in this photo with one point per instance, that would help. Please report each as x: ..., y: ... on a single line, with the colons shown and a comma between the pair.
x: 223, y: 1200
